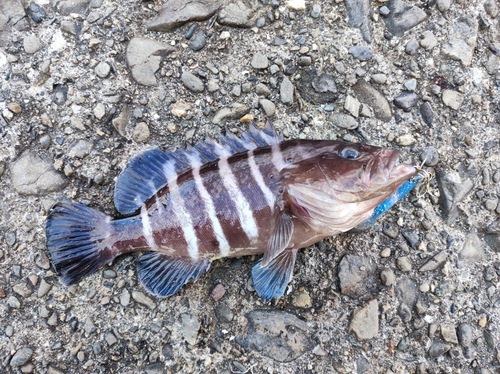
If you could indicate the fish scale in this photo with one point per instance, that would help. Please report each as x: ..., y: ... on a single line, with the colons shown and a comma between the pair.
x: 241, y: 196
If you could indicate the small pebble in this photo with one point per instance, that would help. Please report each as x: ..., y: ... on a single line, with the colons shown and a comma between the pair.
x: 218, y: 292
x: 102, y: 69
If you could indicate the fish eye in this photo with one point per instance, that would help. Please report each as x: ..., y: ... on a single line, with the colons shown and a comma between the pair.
x: 349, y: 153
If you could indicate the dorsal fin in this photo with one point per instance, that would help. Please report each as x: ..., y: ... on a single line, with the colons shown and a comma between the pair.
x: 151, y: 170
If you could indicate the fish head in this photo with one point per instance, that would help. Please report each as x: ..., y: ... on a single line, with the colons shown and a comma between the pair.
x: 338, y: 185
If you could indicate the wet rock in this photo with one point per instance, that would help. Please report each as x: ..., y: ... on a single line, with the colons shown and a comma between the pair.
x: 472, y: 249
x: 21, y: 357
x: 429, y: 156
x: 438, y: 348
x: 31, y: 44
x: 317, y: 88
x: 403, y: 17
x: 452, y: 99
x: 198, y: 42
x: 192, y: 82
x: 141, y: 133
x: 79, y: 148
x: 259, y: 61
x: 364, y: 322
x: 461, y: 44
x: 66, y: 7
x: 276, y: 334
x: 235, y: 111
x: 358, y: 12
x: 452, y: 190
x: 188, y: 328
x: 176, y: 13
x: 361, y: 52
x: 406, y: 100
x: 370, y: 96
x: 237, y: 14
x: 286, y: 91
x: 427, y: 113
x: 36, y: 12
x: 33, y: 176
x: 435, y: 262
x: 143, y: 58
x: 268, y: 107
x: 357, y: 276
x: 344, y: 121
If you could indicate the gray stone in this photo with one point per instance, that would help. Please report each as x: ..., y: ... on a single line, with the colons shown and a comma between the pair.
x: 143, y: 58
x: 176, y: 13
x: 141, y: 133
x: 263, y: 90
x: 429, y: 156
x: 88, y: 326
x: 403, y: 17
x: 452, y: 99
x: 237, y: 14
x: 438, y: 348
x: 344, y: 121
x: 411, y: 84
x: 21, y: 357
x: 102, y: 69
x: 223, y: 313
x: 316, y: 10
x: 259, y: 61
x: 452, y: 190
x: 388, y: 277
x: 110, y: 338
x: 121, y: 121
x: 370, y: 96
x: 358, y: 12
x: 192, y: 82
x: 472, y: 249
x: 44, y: 288
x: 276, y: 334
x: 412, y: 47
x: 286, y: 91
x: 33, y: 176
x: 156, y: 368
x: 143, y: 299
x: 13, y: 302
x: 317, y: 88
x: 427, y: 113
x: 31, y: 44
x: 79, y: 148
x: 435, y: 262
x: 66, y: 7
x: 357, y: 276
x: 188, y: 328
x: 465, y: 334
x: 12, y: 16
x: 443, y: 5
x: 403, y: 264
x: 10, y: 238
x: 125, y: 297
x: 406, y: 291
x: 70, y: 27
x: 449, y: 333
x: 361, y: 52
x: 22, y: 289
x: 491, y: 8
x: 198, y: 42
x: 364, y: 322
x: 493, y: 64
x: 461, y: 44
x: 352, y: 105
x: 99, y: 111
x: 36, y: 12
x: 235, y: 111
x: 406, y: 100
x: 268, y: 107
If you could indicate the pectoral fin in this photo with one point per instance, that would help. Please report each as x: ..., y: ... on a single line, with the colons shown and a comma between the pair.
x: 271, y: 280
x: 280, y: 238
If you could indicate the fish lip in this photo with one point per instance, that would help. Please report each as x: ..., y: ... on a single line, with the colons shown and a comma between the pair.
x: 402, y: 171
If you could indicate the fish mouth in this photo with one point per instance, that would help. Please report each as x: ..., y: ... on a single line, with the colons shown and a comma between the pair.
x: 383, y: 169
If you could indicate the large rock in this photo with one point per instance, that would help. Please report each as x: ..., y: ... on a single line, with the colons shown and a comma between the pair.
x: 461, y: 44
x: 238, y: 14
x: 403, y: 17
x: 143, y: 58
x: 66, y: 7
x: 358, y: 12
x: 357, y: 276
x: 12, y: 15
x: 176, y: 13
x: 33, y: 176
x: 276, y: 334
x: 364, y: 322
x: 317, y: 88
x: 452, y: 190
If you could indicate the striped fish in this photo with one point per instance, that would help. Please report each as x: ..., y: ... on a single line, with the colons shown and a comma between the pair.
x: 241, y: 196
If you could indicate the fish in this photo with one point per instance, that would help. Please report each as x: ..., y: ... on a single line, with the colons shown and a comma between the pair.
x: 256, y: 194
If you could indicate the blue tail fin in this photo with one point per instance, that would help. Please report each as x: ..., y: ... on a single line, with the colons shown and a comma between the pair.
x: 79, y: 240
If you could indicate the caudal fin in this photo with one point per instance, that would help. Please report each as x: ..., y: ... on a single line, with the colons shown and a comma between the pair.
x: 78, y: 239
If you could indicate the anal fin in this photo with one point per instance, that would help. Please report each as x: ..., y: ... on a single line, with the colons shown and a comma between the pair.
x: 163, y: 275
x: 271, y: 280
x: 280, y: 238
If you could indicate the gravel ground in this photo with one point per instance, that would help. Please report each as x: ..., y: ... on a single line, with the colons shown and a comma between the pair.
x: 85, y: 85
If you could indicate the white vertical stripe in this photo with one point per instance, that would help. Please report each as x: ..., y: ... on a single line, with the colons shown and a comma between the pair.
x: 184, y: 219
x: 210, y: 209
x: 277, y: 157
x: 257, y: 175
x: 146, y: 228
x: 243, y: 209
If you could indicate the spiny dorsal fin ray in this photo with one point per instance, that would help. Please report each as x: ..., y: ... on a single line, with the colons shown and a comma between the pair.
x: 280, y: 238
x: 151, y: 170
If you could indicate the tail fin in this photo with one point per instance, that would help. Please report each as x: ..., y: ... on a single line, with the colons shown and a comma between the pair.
x: 79, y: 240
